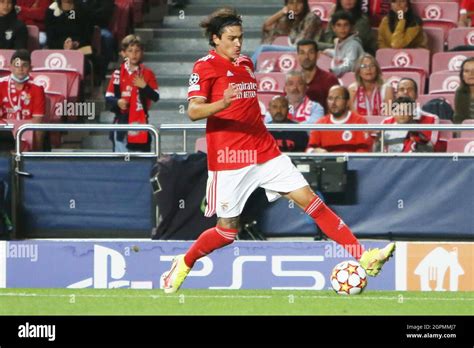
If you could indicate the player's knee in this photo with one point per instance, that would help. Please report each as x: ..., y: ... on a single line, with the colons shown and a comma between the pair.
x: 229, y: 223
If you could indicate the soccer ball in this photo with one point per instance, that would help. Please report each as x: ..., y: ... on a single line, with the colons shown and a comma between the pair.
x: 348, y: 278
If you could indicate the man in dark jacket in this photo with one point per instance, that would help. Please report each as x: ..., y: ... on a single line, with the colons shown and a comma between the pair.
x: 13, y: 33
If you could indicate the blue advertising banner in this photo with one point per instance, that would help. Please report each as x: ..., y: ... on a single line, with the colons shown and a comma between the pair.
x: 139, y: 265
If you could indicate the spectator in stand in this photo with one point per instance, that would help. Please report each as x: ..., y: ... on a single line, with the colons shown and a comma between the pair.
x: 301, y: 108
x: 33, y: 12
x: 369, y: 93
x: 20, y: 97
x: 318, y: 81
x: 404, y: 110
x: 347, y: 46
x: 131, y: 90
x: 102, y: 11
x: 294, y: 20
x: 466, y: 13
x: 464, y: 98
x: 288, y: 141
x: 401, y: 28
x: 361, y: 26
x: 69, y: 26
x: 338, y: 140
x: 13, y: 32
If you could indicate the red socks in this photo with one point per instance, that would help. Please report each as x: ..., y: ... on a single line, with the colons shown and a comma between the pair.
x: 212, y: 239
x: 333, y: 227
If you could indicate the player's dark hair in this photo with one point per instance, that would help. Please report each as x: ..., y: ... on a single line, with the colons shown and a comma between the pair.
x: 411, y: 80
x: 306, y: 42
x: 22, y: 54
x: 218, y: 20
x: 342, y: 15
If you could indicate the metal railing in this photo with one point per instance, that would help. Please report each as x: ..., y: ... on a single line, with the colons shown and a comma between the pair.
x: 112, y: 127
x: 355, y: 127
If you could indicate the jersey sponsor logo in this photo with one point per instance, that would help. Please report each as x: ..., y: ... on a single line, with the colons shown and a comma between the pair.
x: 193, y: 79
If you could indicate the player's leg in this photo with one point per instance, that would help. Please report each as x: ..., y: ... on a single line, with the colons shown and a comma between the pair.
x: 333, y: 227
x: 214, y: 238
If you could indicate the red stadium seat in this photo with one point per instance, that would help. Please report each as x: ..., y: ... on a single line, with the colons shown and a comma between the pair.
x: 437, y: 11
x: 468, y: 133
x: 33, y: 38
x: 5, y: 57
x: 277, y: 62
x: 394, y: 76
x: 444, y: 82
x: 52, y: 82
x: 460, y: 37
x: 282, y: 41
x: 449, y: 61
x: 436, y: 38
x: 322, y: 9
x: 425, y: 98
x: 415, y: 59
x: 347, y: 79
x: 461, y: 145
x: 70, y: 62
x: 271, y: 82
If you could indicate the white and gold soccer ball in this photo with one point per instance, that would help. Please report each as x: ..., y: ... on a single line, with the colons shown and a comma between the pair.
x: 348, y: 278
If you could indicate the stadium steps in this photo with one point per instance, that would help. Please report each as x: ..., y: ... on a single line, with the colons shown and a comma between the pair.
x: 172, y: 47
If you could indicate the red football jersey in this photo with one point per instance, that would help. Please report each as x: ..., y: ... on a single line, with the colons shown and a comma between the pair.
x: 342, y: 141
x: 21, y: 105
x: 404, y: 141
x: 236, y: 137
x: 126, y: 83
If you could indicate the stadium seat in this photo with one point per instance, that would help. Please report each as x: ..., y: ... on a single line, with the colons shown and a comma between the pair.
x: 436, y: 39
x: 277, y: 62
x: 33, y: 38
x: 449, y: 61
x: 69, y: 62
x: 282, y: 41
x: 322, y: 10
x: 415, y: 59
x: 52, y: 82
x: 468, y: 133
x: 444, y: 82
x: 347, y: 79
x: 5, y: 57
x: 461, y: 145
x: 271, y: 82
x: 394, y: 76
x: 425, y: 98
x: 437, y: 11
x: 460, y: 37
x: 201, y: 145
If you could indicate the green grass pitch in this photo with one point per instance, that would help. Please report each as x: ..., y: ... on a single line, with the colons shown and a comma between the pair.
x: 230, y: 302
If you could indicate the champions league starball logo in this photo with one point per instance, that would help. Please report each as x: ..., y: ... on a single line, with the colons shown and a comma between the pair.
x: 193, y: 79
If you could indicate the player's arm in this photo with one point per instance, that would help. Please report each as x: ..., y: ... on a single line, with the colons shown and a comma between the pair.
x: 199, y: 108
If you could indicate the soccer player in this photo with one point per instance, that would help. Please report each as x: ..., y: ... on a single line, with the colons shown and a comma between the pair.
x: 242, y: 155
